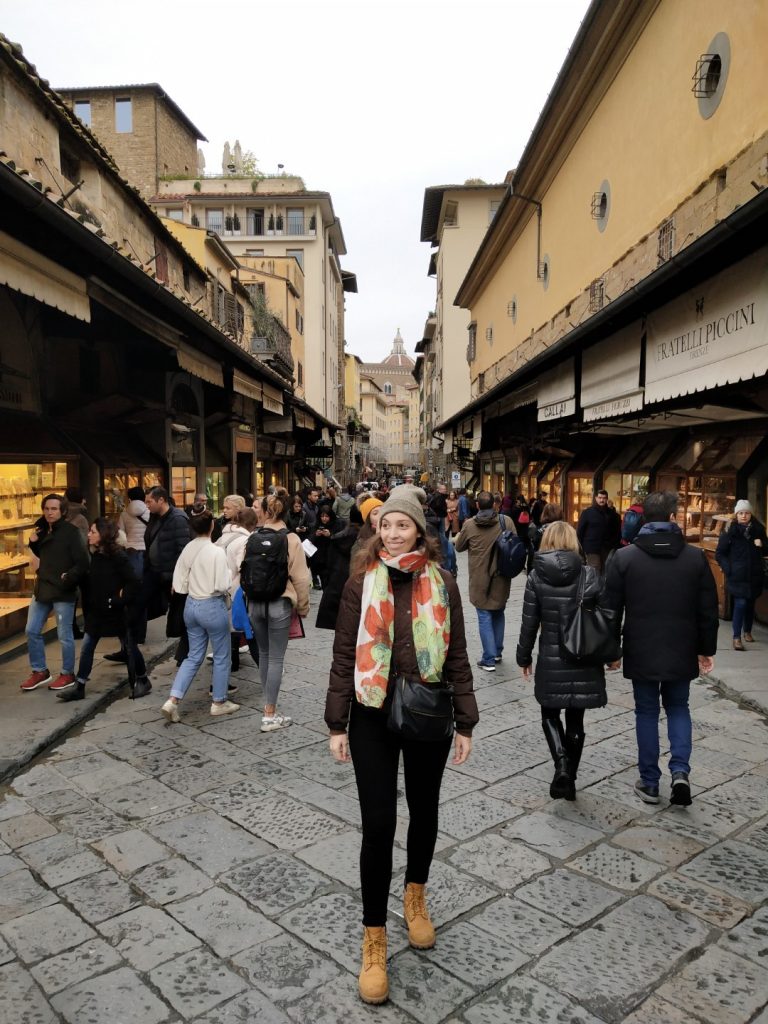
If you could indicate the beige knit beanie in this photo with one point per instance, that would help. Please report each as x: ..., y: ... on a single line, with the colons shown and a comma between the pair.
x: 410, y: 501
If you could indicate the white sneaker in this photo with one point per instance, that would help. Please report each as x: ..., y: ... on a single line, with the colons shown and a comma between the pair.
x: 270, y: 723
x: 210, y: 656
x: 227, y: 708
x: 171, y: 711
x: 244, y: 649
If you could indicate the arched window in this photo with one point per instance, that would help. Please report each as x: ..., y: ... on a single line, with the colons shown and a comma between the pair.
x: 387, y: 388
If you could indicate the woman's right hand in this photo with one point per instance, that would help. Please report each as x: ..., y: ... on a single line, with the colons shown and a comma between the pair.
x: 527, y: 671
x: 340, y: 748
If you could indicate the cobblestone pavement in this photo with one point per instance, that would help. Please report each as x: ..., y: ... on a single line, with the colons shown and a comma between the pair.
x: 207, y: 872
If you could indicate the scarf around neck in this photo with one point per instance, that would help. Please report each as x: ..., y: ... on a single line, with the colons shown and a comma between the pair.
x: 430, y: 617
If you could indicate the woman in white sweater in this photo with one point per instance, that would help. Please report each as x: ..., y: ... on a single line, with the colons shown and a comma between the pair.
x: 203, y: 575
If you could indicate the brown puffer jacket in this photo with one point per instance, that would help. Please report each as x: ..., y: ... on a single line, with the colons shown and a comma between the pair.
x: 456, y: 671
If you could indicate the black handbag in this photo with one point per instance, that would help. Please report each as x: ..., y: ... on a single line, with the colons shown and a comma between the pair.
x: 588, y: 633
x: 421, y: 711
x: 174, y: 624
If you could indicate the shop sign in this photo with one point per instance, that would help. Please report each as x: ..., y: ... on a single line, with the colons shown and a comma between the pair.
x: 714, y: 334
x: 615, y: 407
x: 557, y: 393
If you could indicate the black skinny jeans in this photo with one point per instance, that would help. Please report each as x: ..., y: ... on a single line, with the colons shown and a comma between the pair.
x: 376, y: 754
x: 574, y: 719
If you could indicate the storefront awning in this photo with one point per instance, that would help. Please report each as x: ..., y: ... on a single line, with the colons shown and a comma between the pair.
x: 610, y: 376
x: 557, y: 392
x: 272, y: 399
x: 245, y: 386
x: 200, y: 366
x: 27, y: 271
x: 304, y: 420
x: 714, y: 334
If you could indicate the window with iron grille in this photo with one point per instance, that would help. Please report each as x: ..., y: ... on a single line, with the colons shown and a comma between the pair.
x: 666, y: 241
x: 597, y: 295
x: 489, y: 334
x: 472, y: 344
x: 599, y: 206
x: 711, y: 74
x: 706, y: 77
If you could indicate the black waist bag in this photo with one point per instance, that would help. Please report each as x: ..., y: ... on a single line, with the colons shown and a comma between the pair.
x: 421, y: 711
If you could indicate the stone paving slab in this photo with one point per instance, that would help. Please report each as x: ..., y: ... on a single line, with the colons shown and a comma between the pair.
x: 25, y: 828
x: 339, y: 857
x: 658, y: 1011
x: 69, y: 968
x: 61, y: 801
x: 128, y: 851
x: 719, y: 987
x: 451, y: 893
x: 223, y: 921
x: 276, y: 883
x: 528, y: 929
x: 143, y: 800
x: 60, y: 859
x: 734, y: 867
x: 285, y: 969
x: 280, y: 820
x: 527, y: 1001
x: 614, y: 866
x: 102, y: 999
x: 99, y: 896
x: 195, y: 982
x: 593, y: 811
x: 569, y: 896
x: 169, y: 880
x: 211, y: 843
x: 21, y: 1001
x: 606, y: 968
x: 718, y: 908
x: 425, y: 989
x: 474, y: 956
x: 658, y: 844
x: 341, y: 1003
x: 250, y: 1008
x: 6, y: 953
x: 20, y: 894
x: 147, y: 937
x: 45, y: 932
x: 702, y: 822
x: 556, y: 837
x: 468, y: 815
x: 749, y: 939
x: 500, y: 862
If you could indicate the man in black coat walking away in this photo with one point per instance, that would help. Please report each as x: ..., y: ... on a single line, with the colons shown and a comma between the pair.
x: 667, y: 594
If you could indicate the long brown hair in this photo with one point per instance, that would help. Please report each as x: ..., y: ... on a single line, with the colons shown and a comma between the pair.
x: 368, y: 553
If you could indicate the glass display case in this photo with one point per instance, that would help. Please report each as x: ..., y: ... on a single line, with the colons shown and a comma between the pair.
x: 581, y: 488
x: 551, y: 482
x: 216, y: 487
x: 529, y: 478
x: 183, y: 485
x: 22, y: 487
x: 628, y: 477
x: 117, y: 482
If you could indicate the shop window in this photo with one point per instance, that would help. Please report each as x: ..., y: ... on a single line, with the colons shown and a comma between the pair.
x: 123, y: 115
x: 183, y: 485
x: 83, y: 111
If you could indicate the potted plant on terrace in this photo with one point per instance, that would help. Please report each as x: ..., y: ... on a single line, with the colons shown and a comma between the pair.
x: 228, y: 224
x: 271, y: 224
x: 313, y: 224
x: 236, y: 224
x: 279, y: 224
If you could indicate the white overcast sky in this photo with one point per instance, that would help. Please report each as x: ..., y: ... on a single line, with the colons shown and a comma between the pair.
x: 370, y: 100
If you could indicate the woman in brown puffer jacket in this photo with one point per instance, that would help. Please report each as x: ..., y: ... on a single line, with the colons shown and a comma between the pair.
x: 400, y: 615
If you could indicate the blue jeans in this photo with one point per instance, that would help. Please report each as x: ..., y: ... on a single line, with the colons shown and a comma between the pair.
x: 136, y: 664
x: 491, y: 625
x: 36, y: 619
x: 270, y: 621
x: 206, y: 619
x: 449, y: 552
x: 674, y: 697
x: 743, y: 615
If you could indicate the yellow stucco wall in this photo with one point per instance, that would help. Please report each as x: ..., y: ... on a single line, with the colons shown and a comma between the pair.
x: 649, y: 141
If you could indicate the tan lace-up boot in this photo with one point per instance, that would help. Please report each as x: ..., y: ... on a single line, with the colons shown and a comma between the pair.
x: 421, y: 932
x: 372, y: 982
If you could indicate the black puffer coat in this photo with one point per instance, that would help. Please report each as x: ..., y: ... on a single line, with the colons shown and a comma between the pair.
x: 741, y: 559
x: 165, y: 538
x: 113, y: 588
x: 551, y: 591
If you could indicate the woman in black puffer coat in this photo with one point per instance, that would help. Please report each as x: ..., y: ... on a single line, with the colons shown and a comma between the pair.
x: 551, y: 593
x: 741, y: 553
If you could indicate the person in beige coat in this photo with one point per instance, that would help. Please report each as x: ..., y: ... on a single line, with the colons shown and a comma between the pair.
x: 488, y: 592
x: 271, y: 619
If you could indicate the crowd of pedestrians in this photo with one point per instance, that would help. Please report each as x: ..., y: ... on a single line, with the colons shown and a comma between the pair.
x: 401, y: 682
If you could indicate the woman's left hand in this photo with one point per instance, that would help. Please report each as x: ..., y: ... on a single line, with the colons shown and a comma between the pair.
x: 461, y: 749
x: 527, y: 669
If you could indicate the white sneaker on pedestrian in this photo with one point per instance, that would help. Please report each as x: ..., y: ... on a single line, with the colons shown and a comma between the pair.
x: 171, y: 711
x: 226, y: 708
x: 270, y: 723
x: 210, y: 656
x: 244, y: 649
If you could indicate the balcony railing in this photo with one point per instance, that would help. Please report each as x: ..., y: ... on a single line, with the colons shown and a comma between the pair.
x: 276, y: 353
x: 258, y: 225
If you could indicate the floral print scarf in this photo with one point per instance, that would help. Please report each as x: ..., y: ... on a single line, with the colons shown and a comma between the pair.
x: 430, y: 615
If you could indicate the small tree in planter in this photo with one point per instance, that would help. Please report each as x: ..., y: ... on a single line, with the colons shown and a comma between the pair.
x: 195, y: 221
x: 236, y: 224
x: 228, y: 224
x: 279, y: 224
x: 271, y: 224
x: 312, y: 224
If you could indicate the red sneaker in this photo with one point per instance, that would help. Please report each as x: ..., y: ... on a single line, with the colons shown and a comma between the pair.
x: 36, y: 679
x: 65, y: 680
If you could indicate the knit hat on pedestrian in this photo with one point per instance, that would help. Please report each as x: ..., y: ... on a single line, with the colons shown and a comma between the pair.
x: 742, y: 505
x: 410, y: 501
x: 367, y: 506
